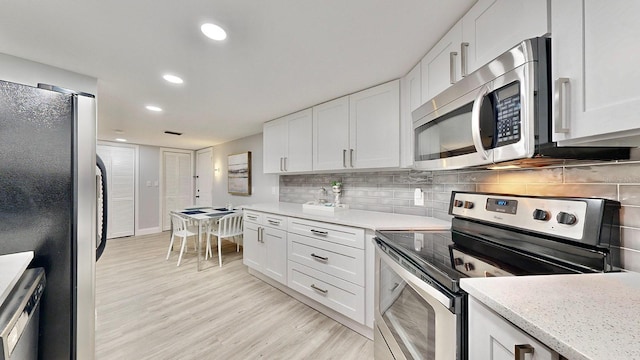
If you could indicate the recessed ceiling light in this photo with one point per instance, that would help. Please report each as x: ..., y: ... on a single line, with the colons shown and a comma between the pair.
x: 213, y: 31
x: 121, y: 140
x: 153, y: 108
x: 172, y: 79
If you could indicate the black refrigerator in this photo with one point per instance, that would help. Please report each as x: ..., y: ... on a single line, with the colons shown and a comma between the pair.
x: 49, y: 194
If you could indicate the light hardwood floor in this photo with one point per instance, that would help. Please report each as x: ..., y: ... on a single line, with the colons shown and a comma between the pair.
x: 147, y: 308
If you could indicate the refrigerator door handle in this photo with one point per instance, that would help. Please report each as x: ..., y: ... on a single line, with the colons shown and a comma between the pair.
x: 103, y: 185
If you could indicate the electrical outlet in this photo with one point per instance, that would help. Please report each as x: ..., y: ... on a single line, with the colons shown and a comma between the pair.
x: 418, y: 197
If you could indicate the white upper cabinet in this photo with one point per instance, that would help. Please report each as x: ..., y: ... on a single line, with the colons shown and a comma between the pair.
x: 492, y: 27
x: 441, y: 66
x: 358, y: 131
x: 287, y: 143
x: 410, y: 99
x: 331, y: 134
x: 374, y: 127
x: 596, y: 77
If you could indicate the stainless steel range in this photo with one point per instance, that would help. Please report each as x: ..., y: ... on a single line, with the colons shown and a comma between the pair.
x: 420, y: 310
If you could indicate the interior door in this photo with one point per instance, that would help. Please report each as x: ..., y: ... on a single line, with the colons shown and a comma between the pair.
x: 120, y: 164
x: 204, y: 177
x: 177, y: 183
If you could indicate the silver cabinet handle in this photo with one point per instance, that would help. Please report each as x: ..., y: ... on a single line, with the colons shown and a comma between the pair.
x: 273, y: 222
x: 394, y: 287
x: 322, y: 291
x: 561, y: 98
x: 250, y: 217
x: 452, y: 66
x: 284, y: 161
x: 344, y: 157
x: 281, y: 168
x: 259, y: 234
x: 464, y: 52
x: 521, y: 350
x: 318, y: 257
x: 318, y: 232
x: 351, y: 157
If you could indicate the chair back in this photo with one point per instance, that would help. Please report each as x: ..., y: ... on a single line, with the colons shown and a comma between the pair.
x: 230, y: 225
x: 178, y: 222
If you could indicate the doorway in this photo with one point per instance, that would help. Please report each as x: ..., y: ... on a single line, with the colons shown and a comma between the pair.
x: 177, y: 182
x: 204, y: 177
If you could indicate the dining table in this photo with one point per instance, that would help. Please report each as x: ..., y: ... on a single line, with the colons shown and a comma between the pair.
x: 202, y: 215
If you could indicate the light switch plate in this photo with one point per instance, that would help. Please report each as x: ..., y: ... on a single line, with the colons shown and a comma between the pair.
x: 418, y: 197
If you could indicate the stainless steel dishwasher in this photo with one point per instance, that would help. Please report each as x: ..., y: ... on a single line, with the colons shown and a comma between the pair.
x: 20, y: 317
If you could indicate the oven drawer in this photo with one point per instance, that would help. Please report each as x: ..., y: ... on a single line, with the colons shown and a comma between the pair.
x: 337, y: 294
x: 341, y: 261
x: 344, y: 235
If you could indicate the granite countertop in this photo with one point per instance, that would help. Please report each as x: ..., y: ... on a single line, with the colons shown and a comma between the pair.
x: 357, y: 218
x: 582, y: 317
x: 11, y: 268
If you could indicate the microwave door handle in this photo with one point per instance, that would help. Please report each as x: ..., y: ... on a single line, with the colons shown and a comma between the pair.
x: 475, y: 123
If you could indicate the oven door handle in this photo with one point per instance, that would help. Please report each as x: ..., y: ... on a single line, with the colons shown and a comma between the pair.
x: 475, y: 123
x: 414, y: 281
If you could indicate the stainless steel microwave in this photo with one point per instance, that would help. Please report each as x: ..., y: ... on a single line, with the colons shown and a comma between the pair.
x: 499, y: 113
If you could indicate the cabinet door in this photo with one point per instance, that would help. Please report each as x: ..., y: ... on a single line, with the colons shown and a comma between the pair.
x: 492, y: 27
x: 274, y: 145
x: 491, y: 337
x: 441, y: 66
x: 251, y: 247
x: 298, y: 156
x: 374, y: 127
x: 275, y: 257
x: 331, y: 134
x: 595, y: 71
x: 410, y: 99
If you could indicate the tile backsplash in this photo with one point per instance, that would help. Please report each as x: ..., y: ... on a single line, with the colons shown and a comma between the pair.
x: 393, y: 191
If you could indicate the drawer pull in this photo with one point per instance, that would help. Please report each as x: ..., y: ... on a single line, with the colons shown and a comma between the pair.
x: 274, y: 222
x: 521, y: 350
x: 318, y: 257
x: 322, y: 291
x: 394, y: 287
x: 252, y: 217
x: 318, y: 232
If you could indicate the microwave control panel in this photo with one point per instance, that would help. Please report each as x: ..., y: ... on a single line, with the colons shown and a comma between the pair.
x: 507, y: 112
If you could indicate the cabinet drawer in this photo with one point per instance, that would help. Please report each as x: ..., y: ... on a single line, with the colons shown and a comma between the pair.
x: 344, y: 235
x: 337, y: 294
x: 341, y: 261
x: 252, y: 216
x: 274, y: 221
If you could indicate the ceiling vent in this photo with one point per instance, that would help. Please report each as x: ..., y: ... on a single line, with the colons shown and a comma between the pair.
x: 173, y: 133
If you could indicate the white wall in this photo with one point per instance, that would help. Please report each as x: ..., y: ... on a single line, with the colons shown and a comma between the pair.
x: 27, y: 72
x: 264, y: 187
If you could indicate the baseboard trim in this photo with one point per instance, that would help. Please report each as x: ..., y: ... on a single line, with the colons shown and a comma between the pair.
x: 350, y: 323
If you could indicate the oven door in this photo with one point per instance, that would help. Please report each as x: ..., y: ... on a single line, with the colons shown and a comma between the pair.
x: 412, y: 318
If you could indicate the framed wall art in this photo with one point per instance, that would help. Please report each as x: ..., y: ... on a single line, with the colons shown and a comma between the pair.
x: 239, y: 168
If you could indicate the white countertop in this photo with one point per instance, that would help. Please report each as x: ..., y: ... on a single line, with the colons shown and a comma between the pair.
x: 11, y: 268
x: 357, y: 218
x: 582, y: 317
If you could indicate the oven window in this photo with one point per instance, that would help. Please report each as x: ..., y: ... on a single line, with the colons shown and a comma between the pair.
x: 446, y: 136
x: 410, y: 318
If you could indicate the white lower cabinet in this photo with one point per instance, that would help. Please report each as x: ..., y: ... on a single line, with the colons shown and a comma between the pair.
x: 265, y: 244
x: 324, y: 262
x: 491, y: 337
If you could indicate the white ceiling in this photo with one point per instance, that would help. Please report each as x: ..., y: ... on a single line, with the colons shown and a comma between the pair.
x: 280, y: 56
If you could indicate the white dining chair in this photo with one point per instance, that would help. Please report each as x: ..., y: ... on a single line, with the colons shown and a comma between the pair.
x: 228, y: 226
x: 181, y: 230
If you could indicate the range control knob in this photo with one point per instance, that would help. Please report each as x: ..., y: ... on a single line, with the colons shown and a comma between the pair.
x: 566, y: 218
x: 468, y: 205
x: 539, y: 214
x: 457, y: 203
x: 469, y: 266
x: 458, y: 261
